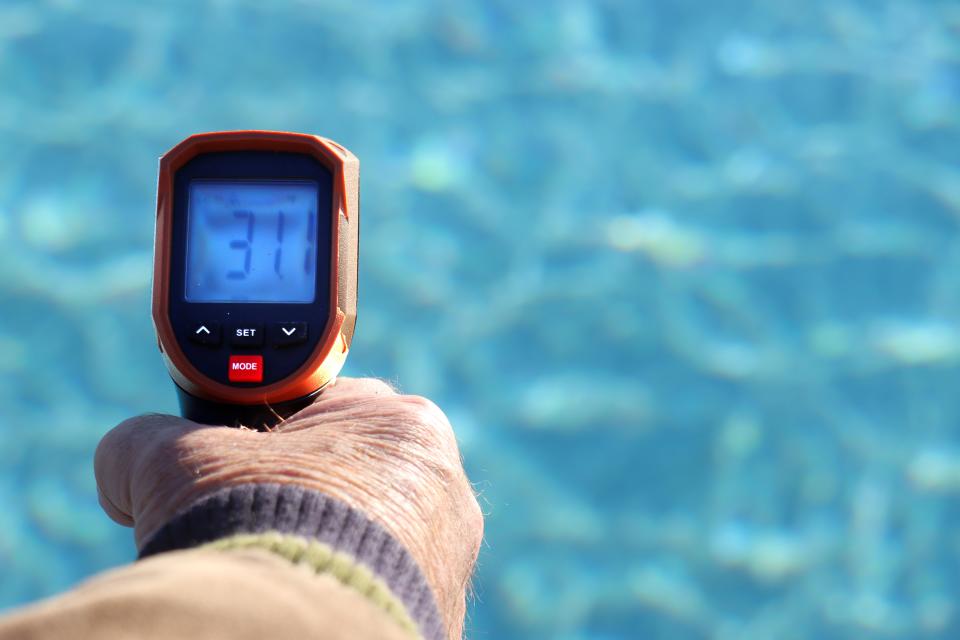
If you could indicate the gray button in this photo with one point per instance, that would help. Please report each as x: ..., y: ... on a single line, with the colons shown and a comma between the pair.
x: 246, y: 335
x: 284, y: 334
x: 207, y: 333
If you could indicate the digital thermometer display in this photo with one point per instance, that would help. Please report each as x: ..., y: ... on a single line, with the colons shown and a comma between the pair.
x: 251, y: 241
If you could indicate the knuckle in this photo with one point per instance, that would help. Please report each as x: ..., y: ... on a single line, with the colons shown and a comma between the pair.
x: 427, y: 416
x: 475, y: 518
x: 471, y: 525
x: 422, y: 405
x: 431, y: 431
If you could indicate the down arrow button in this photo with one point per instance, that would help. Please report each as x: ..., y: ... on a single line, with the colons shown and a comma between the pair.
x: 285, y: 334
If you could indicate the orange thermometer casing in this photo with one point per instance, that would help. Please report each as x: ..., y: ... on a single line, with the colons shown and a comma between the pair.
x: 255, y: 271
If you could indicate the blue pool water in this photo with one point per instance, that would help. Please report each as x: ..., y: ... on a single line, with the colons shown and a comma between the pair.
x: 684, y: 274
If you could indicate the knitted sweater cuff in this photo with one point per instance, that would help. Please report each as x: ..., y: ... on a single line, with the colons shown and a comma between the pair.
x: 293, y: 510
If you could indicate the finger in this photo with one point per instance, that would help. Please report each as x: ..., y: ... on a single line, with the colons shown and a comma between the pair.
x: 113, y: 511
x: 121, y: 453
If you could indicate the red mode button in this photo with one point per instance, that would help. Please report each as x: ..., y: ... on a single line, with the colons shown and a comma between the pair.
x: 246, y: 369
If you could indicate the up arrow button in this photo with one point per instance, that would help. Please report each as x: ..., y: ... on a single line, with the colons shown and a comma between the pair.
x: 207, y: 333
x: 285, y: 334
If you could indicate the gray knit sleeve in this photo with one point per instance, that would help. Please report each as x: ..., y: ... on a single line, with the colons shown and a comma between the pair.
x: 293, y: 510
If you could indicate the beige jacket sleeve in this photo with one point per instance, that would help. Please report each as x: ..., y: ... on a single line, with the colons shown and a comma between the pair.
x: 205, y: 594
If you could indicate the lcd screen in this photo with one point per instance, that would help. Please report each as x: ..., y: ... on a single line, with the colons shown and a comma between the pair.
x: 251, y: 241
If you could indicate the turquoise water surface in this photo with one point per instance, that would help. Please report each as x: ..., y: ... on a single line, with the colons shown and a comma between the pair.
x: 685, y: 275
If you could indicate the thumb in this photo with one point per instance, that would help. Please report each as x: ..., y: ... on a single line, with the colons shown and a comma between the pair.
x: 121, y: 456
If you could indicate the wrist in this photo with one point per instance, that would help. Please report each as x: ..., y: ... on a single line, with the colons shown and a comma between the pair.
x: 342, y: 480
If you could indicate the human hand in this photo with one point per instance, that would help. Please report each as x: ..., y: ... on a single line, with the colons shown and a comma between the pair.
x: 392, y: 456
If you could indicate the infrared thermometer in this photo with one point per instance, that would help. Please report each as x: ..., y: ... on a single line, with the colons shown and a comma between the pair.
x: 255, y: 272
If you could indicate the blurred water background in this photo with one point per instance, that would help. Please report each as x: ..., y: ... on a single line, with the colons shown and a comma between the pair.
x: 684, y: 274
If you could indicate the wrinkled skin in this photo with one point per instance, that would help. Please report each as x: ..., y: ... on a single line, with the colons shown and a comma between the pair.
x: 392, y: 456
